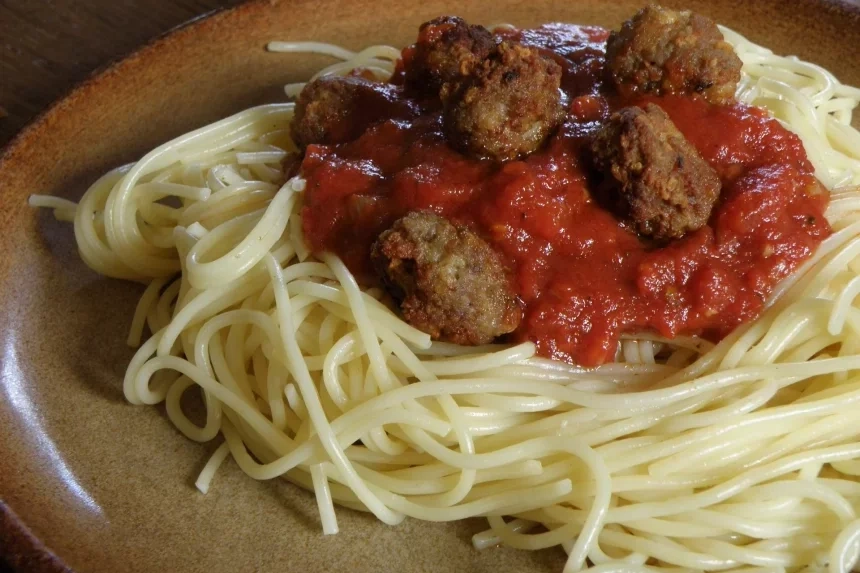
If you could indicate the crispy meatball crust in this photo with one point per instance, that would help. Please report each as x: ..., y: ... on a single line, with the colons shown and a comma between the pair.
x: 507, y: 107
x: 448, y: 281
x: 338, y: 109
x: 447, y: 49
x: 670, y: 51
x: 655, y: 177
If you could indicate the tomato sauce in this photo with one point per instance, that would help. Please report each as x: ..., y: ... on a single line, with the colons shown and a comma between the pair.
x: 583, y: 276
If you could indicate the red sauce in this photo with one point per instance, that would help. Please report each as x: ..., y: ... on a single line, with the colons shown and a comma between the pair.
x: 583, y: 276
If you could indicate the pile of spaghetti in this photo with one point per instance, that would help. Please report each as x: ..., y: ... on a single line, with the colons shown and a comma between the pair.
x: 742, y: 455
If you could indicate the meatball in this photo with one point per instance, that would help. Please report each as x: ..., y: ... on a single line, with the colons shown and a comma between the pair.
x: 655, y: 177
x: 664, y: 51
x: 448, y: 281
x: 507, y: 107
x: 448, y: 48
x: 337, y: 109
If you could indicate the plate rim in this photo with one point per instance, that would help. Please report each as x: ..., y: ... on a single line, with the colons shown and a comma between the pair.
x: 22, y: 550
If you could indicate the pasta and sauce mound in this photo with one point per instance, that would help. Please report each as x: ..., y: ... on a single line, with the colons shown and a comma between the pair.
x: 597, y: 287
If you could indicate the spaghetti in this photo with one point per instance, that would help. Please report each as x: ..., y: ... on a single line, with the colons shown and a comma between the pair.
x: 680, y: 456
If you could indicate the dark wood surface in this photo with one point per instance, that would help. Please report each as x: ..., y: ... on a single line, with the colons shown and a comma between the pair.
x: 46, y: 46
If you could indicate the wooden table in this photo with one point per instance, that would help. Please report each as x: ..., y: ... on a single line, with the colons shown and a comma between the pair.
x: 46, y: 46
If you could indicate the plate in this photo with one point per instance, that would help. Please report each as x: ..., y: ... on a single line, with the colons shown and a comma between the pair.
x: 90, y: 482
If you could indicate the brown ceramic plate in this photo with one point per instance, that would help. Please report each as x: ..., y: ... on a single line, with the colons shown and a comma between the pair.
x: 107, y: 486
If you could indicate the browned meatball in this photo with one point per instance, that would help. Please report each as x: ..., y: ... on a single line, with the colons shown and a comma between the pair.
x: 337, y: 109
x: 507, y: 107
x: 664, y: 51
x: 447, y: 49
x: 448, y: 281
x: 655, y: 177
